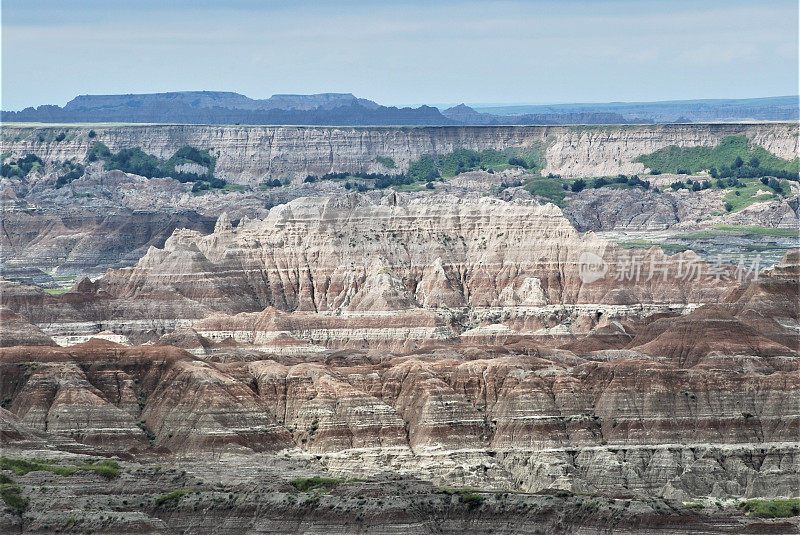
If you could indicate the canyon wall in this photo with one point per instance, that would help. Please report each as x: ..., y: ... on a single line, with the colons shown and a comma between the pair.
x: 248, y: 154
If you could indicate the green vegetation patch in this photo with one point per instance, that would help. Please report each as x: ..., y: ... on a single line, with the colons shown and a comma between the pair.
x: 430, y: 168
x: 273, y: 183
x: 385, y: 161
x: 741, y: 192
x: 741, y: 230
x: 171, y: 499
x: 305, y: 484
x: 469, y: 497
x: 617, y: 182
x: 777, y: 508
x: 11, y: 494
x: 21, y: 167
x: 70, y: 171
x: 56, y: 291
x: 740, y: 198
x: 549, y: 188
x: 135, y: 161
x: 734, y: 156
x: 106, y: 468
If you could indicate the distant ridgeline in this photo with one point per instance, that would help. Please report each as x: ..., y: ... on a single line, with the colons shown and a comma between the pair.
x: 212, y: 107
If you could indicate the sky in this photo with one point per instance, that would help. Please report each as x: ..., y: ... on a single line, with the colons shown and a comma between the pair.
x: 401, y: 53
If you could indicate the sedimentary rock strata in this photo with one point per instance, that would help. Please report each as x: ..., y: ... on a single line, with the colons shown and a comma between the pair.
x: 417, y: 343
x: 352, y: 270
x: 246, y: 154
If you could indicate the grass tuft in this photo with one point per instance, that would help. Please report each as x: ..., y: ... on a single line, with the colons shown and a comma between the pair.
x: 106, y: 468
x: 171, y: 499
x: 777, y: 508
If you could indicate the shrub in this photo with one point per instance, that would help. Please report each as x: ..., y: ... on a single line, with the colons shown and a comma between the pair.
x: 385, y: 161
x: 73, y: 172
x: 471, y: 499
x: 97, y: 152
x: 774, y: 184
x: 578, y: 185
x: 92, y: 134
x: 305, y: 484
x: 21, y: 167
x: 191, y: 154
x: 61, y: 137
x: 424, y: 169
x: 638, y: 182
x: 217, y: 183
x: 274, y: 183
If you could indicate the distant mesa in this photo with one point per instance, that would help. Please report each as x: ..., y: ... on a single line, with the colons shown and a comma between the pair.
x: 218, y: 107
x: 225, y: 107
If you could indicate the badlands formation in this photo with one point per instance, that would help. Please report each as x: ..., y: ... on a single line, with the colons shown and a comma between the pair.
x: 439, y: 361
x: 246, y: 154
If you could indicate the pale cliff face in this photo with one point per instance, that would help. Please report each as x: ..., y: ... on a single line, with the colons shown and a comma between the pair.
x: 248, y: 154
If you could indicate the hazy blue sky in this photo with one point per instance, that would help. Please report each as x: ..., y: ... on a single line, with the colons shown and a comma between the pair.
x: 401, y: 52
